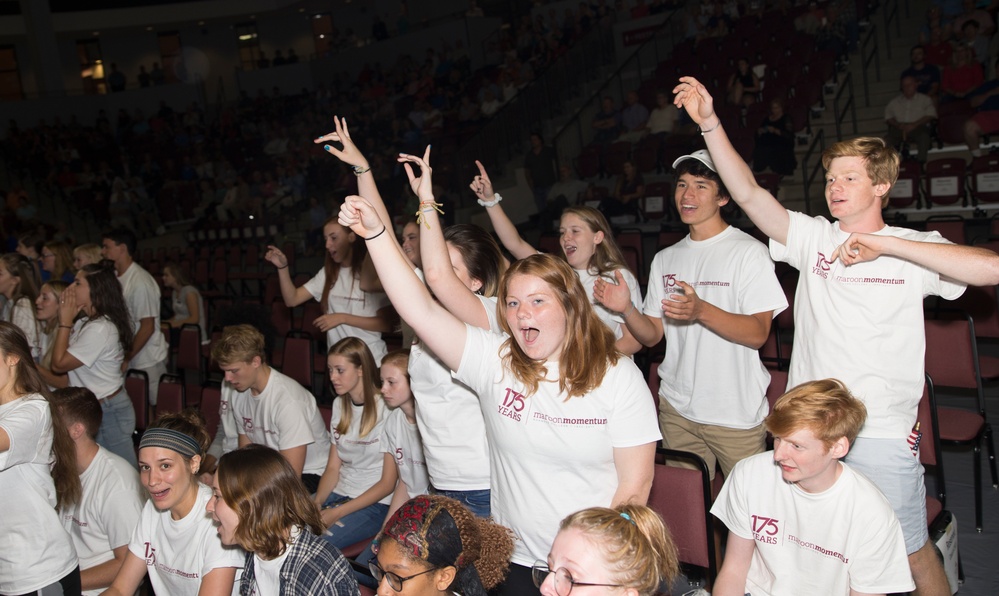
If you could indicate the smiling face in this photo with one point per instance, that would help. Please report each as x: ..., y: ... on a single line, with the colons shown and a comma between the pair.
x: 535, y: 316
x: 578, y: 240
x: 346, y: 378
x: 804, y: 460
x: 222, y: 514
x: 47, y: 304
x: 395, y: 386
x: 573, y: 551
x: 697, y: 199
x: 411, y: 242
x: 339, y: 242
x: 851, y: 195
x: 169, y: 479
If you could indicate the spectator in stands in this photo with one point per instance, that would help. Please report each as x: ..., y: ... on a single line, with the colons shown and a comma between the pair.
x: 771, y: 501
x: 607, y: 122
x: 447, y: 549
x: 927, y: 76
x: 774, y: 147
x: 30, y: 244
x: 627, y: 548
x: 142, y: 295
x: 19, y: 285
x: 628, y: 193
x: 102, y: 522
x: 971, y: 12
x: 938, y: 49
x: 972, y: 37
x: 175, y: 542
x: 186, y: 302
x: 91, y: 349
x: 86, y: 254
x: 38, y: 476
x: 143, y: 76
x: 260, y: 505
x: 539, y: 169
x: 743, y: 84
x: 57, y: 260
x: 908, y: 117
x: 961, y: 76
x: 269, y: 407
x: 634, y: 118
x: 47, y: 312
x: 663, y: 118
x: 568, y: 190
x: 490, y: 103
x: 116, y: 79
x: 985, y: 100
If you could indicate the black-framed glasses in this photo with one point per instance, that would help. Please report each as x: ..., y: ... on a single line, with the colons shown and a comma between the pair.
x: 564, y: 581
x: 394, y: 581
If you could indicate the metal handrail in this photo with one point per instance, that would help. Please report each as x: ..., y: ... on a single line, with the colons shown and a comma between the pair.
x: 890, y: 13
x: 869, y: 42
x: 850, y: 104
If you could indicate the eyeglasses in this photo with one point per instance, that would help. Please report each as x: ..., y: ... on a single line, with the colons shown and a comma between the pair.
x: 394, y: 581
x: 563, y: 579
x: 49, y: 255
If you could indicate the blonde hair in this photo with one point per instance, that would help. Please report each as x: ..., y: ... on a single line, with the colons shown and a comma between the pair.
x: 635, y: 544
x: 588, y: 350
x: 90, y: 253
x: 607, y: 256
x: 880, y: 159
x: 51, y: 326
x: 825, y: 407
x: 357, y: 353
x: 239, y: 343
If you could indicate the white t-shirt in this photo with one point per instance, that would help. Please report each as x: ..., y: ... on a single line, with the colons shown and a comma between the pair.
x: 450, y: 419
x: 94, y: 342
x: 402, y: 440
x: 227, y: 435
x: 705, y: 377
x: 863, y: 324
x: 824, y: 543
x: 361, y: 457
x: 22, y: 314
x: 142, y: 295
x: 178, y: 301
x: 180, y: 553
x: 35, y: 550
x: 106, y: 516
x: 267, y: 574
x: 282, y: 416
x: 551, y: 456
x: 346, y: 296
x: 610, y: 318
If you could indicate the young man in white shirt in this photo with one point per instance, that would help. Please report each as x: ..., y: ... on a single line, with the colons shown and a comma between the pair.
x: 142, y: 296
x: 102, y: 523
x: 859, y: 313
x: 800, y: 520
x: 714, y: 295
x: 269, y: 407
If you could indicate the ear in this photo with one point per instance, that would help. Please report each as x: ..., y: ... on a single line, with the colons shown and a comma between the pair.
x: 723, y: 200
x: 840, y: 448
x: 476, y: 285
x: 445, y: 577
x: 598, y: 237
x: 195, y: 464
x: 12, y: 360
x: 256, y: 362
x: 880, y: 190
x: 76, y: 430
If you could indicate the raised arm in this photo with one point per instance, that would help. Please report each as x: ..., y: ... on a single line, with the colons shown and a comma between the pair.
x: 761, y: 207
x: 460, y: 300
x: 482, y: 186
x: 443, y: 333
x: 62, y: 360
x: 645, y: 329
x: 970, y: 265
x: 292, y: 296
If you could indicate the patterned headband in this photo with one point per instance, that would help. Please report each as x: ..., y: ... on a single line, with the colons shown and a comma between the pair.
x: 170, y: 439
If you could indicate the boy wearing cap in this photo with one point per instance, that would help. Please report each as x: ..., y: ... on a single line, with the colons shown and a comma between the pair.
x: 802, y: 522
x: 713, y: 295
x: 859, y: 315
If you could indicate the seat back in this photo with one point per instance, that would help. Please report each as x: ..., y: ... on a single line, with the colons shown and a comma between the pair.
x: 950, y: 227
x: 211, y: 401
x: 906, y: 190
x: 189, y: 350
x: 172, y: 397
x: 298, y: 357
x: 952, y: 355
x: 777, y: 387
x: 945, y: 180
x: 929, y: 445
x: 985, y: 178
x: 682, y: 496
x: 137, y: 387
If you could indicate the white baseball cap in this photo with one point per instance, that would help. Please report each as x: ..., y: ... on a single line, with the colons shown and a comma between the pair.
x: 702, y: 156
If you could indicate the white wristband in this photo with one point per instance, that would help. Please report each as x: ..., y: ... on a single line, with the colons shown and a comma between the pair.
x: 496, y: 199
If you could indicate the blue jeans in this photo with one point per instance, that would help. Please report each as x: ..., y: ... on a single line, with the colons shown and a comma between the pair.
x: 117, y: 427
x: 354, y: 527
x: 477, y: 501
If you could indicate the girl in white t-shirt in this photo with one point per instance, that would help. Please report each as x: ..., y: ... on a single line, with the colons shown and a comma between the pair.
x: 47, y: 311
x: 92, y: 349
x: 175, y: 542
x: 349, y: 308
x: 356, y: 488
x: 588, y: 246
x: 19, y: 283
x: 188, y: 305
x: 571, y: 423
x: 626, y: 548
x: 261, y: 505
x: 37, y: 476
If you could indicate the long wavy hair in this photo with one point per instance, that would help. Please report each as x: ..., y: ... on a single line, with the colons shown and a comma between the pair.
x: 268, y: 497
x: 63, y: 258
x: 357, y: 353
x: 27, y: 381
x: 49, y: 327
x: 332, y: 269
x: 481, y: 254
x: 107, y: 300
x: 589, y: 348
x: 607, y: 256
x: 27, y: 286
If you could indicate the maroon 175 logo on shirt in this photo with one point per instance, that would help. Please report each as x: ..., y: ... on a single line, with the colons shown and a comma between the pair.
x: 150, y: 555
x: 513, y: 404
x: 822, y: 265
x: 765, y: 529
x: 669, y: 282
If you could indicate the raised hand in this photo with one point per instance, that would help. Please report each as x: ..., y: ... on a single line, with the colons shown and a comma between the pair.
x: 358, y: 215
x: 616, y: 297
x: 693, y: 97
x: 350, y: 154
x: 422, y: 185
x: 481, y: 185
x: 859, y: 248
x: 276, y: 257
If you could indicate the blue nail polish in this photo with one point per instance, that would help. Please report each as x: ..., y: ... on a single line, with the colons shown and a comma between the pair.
x: 326, y: 147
